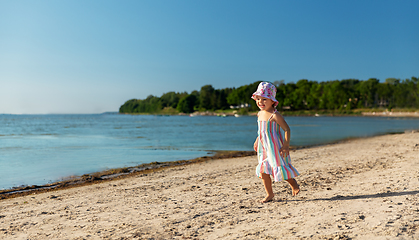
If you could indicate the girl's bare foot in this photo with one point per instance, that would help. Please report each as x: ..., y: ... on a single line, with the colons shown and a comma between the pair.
x: 295, y: 190
x: 267, y: 198
x: 294, y: 186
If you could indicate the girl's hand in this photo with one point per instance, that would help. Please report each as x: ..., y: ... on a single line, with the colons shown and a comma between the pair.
x: 255, y: 145
x: 284, y: 151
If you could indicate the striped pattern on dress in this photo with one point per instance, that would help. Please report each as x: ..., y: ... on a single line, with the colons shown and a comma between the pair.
x: 270, y: 160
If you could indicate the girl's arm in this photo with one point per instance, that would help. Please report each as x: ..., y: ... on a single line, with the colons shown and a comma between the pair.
x: 285, y: 150
x: 255, y: 145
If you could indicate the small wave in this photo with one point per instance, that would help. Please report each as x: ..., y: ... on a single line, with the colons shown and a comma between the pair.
x: 304, y: 125
x: 14, y: 148
x: 160, y: 148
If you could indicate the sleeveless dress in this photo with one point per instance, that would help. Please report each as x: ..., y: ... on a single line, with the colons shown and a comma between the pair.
x: 270, y: 160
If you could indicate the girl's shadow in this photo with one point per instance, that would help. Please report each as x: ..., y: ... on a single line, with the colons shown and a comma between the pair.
x: 377, y: 195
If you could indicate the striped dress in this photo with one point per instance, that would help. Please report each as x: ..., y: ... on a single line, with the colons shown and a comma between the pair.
x: 270, y: 160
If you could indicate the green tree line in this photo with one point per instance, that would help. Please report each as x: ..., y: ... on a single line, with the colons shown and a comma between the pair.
x: 344, y: 94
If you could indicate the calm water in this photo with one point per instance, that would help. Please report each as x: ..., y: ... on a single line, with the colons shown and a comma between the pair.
x: 39, y: 149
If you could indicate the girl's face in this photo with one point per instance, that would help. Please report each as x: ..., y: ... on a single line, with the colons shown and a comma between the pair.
x: 264, y: 103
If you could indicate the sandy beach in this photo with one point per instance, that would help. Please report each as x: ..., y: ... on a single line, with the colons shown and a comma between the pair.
x: 358, y: 189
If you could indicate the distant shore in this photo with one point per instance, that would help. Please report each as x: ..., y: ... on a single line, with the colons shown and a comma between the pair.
x: 391, y: 114
x: 308, y: 113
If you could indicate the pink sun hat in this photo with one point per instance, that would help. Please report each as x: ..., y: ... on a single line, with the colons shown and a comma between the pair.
x: 266, y: 90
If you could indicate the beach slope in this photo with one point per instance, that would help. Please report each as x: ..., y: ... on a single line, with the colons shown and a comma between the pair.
x: 358, y: 189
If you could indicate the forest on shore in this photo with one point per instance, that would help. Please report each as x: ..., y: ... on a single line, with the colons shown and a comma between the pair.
x: 338, y: 95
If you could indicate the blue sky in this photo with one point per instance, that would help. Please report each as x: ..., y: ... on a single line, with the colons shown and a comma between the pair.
x: 91, y: 56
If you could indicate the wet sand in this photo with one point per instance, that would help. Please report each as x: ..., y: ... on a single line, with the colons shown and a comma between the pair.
x: 358, y: 189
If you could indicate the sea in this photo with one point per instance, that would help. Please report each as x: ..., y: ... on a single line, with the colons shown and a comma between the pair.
x: 42, y: 149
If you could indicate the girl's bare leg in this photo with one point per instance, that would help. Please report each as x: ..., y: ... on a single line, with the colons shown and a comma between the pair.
x: 294, y: 186
x: 267, y: 182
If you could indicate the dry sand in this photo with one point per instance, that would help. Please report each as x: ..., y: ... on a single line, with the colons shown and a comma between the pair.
x: 360, y: 189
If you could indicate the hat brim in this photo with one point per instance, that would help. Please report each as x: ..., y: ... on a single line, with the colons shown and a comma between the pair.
x: 273, y: 99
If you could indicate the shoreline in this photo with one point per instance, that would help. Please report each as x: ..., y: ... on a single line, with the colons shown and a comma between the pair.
x: 299, y: 113
x: 392, y: 114
x: 146, y: 168
x: 366, y: 188
x: 114, y: 174
x: 221, y: 113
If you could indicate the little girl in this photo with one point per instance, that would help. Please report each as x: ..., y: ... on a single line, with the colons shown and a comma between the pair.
x: 272, y: 149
